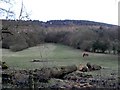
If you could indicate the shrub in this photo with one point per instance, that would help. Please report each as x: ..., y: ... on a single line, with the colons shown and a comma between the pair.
x: 18, y: 47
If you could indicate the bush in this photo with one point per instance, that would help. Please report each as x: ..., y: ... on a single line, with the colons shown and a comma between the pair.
x: 18, y: 47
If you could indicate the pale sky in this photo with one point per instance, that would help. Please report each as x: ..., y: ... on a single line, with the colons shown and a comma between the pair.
x: 94, y: 10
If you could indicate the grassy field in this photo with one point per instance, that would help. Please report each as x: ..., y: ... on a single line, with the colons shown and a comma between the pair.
x: 55, y: 55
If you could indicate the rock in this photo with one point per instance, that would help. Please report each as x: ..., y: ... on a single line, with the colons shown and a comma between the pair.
x: 35, y: 60
x: 56, y: 72
x: 42, y: 78
x: 42, y: 75
x: 58, y: 83
x: 59, y: 72
x: 67, y: 84
x: 96, y: 67
x: 89, y: 66
x: 4, y: 65
x: 72, y: 76
x: 77, y: 76
x: 31, y: 80
x: 82, y: 68
x: 93, y: 67
x: 6, y: 78
x: 68, y: 69
x: 20, y: 79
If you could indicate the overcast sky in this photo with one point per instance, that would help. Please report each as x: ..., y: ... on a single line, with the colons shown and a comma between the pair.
x: 94, y: 10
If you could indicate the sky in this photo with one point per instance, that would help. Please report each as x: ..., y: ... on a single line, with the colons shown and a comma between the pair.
x: 94, y: 10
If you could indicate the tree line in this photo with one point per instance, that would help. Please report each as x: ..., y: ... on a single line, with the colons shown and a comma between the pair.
x: 88, y: 38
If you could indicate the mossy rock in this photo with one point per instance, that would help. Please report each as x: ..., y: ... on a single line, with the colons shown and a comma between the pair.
x: 4, y: 65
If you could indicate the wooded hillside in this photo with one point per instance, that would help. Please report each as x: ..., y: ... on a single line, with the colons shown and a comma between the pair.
x: 85, y: 35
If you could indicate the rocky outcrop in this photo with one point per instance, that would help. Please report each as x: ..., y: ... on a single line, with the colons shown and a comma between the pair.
x: 26, y: 77
x: 66, y: 84
x: 82, y: 68
x: 93, y: 67
x: 88, y: 67
x: 41, y: 78
x: 54, y: 72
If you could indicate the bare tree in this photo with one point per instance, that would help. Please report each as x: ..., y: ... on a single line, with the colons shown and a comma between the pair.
x: 23, y: 12
x: 7, y: 12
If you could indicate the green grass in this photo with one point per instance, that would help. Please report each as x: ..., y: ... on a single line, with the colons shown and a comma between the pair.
x: 56, y: 55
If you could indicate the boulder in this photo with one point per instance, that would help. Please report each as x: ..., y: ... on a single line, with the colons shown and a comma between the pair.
x: 4, y: 65
x: 56, y: 72
x: 89, y: 66
x: 59, y: 72
x: 82, y: 68
x: 96, y: 67
x: 93, y: 67
x: 44, y: 74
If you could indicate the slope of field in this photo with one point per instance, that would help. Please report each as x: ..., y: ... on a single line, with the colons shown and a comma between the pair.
x: 55, y: 55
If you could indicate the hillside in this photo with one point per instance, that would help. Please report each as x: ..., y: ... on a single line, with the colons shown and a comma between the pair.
x: 85, y: 35
x: 57, y: 23
x: 77, y: 22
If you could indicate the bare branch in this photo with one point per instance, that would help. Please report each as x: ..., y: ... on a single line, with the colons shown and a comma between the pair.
x: 21, y: 11
x: 8, y: 11
x: 6, y: 1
